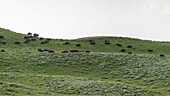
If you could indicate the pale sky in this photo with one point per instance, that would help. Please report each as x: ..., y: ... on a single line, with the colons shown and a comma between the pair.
x: 70, y: 19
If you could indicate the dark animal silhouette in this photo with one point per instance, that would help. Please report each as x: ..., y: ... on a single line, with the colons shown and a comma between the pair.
x: 30, y: 36
x: 64, y: 52
x: 17, y: 42
x: 150, y: 50
x: 162, y: 55
x: 26, y: 37
x: 92, y: 42
x: 2, y: 50
x: 29, y: 33
x: 107, y: 42
x: 78, y: 45
x: 2, y: 37
x: 42, y: 42
x: 87, y: 51
x: 74, y: 50
x: 129, y: 46
x: 35, y: 35
x: 46, y: 41
x: 45, y: 50
x: 40, y: 50
x: 129, y: 52
x: 49, y: 39
x: 41, y: 38
x: 119, y: 44
x: 51, y: 51
x: 67, y: 43
x: 33, y: 39
x: 3, y: 42
x: 123, y: 50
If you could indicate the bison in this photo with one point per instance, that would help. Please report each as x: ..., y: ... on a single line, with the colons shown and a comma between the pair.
x: 67, y: 43
x: 123, y: 50
x: 2, y: 50
x: 74, y: 50
x: 29, y: 33
x: 45, y: 50
x: 2, y: 37
x: 78, y: 45
x: 40, y: 50
x: 107, y: 42
x: 26, y: 37
x: 41, y: 38
x: 119, y: 44
x: 150, y: 50
x: 92, y: 42
x: 162, y: 55
x: 64, y: 52
x: 30, y: 36
x: 51, y: 51
x: 129, y: 52
x: 35, y: 35
x: 3, y: 42
x: 49, y: 39
x: 42, y: 42
x: 87, y: 51
x: 17, y: 42
x: 129, y: 46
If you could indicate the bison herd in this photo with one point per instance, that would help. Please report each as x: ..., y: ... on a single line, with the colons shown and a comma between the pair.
x: 32, y: 37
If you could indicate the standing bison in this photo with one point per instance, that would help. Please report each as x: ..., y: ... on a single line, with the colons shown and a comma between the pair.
x: 78, y: 45
x: 17, y: 42
x: 2, y: 37
x: 107, y: 42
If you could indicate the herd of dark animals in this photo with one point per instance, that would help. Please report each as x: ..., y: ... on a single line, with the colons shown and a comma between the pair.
x: 30, y: 36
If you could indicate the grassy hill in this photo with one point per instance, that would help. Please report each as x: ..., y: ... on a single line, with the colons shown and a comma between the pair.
x: 104, y: 71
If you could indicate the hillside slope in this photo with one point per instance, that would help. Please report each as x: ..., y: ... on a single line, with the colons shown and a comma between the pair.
x: 103, y: 71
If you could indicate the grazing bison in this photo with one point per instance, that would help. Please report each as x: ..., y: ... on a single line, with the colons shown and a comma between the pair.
x: 45, y: 50
x: 129, y: 46
x: 51, y: 51
x: 162, y: 55
x: 2, y: 37
x: 87, y: 51
x: 2, y: 50
x: 123, y: 50
x: 3, y: 42
x: 29, y: 33
x: 33, y: 39
x: 35, y: 35
x: 119, y: 44
x: 49, y: 39
x: 67, y: 43
x: 64, y: 52
x: 30, y: 36
x: 129, y: 52
x: 26, y: 37
x: 74, y: 50
x: 42, y: 42
x: 40, y: 50
x: 41, y: 38
x: 17, y: 42
x: 78, y: 45
x: 26, y: 41
x: 150, y: 50
x: 107, y: 42
x: 92, y: 43
x: 46, y: 41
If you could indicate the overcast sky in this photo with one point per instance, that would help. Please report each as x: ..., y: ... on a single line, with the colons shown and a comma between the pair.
x: 70, y: 19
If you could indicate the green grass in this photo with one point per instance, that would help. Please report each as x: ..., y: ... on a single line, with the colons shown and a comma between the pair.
x: 104, y: 71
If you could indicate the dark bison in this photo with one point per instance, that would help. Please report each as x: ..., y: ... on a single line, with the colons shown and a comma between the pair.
x: 150, y: 50
x: 92, y: 42
x: 33, y: 39
x: 49, y: 39
x: 119, y: 44
x: 30, y: 36
x: 123, y: 50
x: 129, y: 52
x: 45, y: 50
x: 74, y: 50
x: 41, y: 38
x: 26, y: 37
x: 46, y: 41
x: 162, y: 55
x: 35, y: 35
x: 87, y: 51
x: 107, y: 42
x: 2, y: 50
x: 78, y: 45
x: 40, y: 50
x: 64, y: 52
x: 3, y: 42
x: 42, y: 42
x: 67, y: 43
x: 29, y: 33
x: 2, y: 37
x: 17, y: 42
x: 129, y: 46
x: 51, y: 51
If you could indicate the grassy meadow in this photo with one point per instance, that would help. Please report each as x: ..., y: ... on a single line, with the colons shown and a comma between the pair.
x: 105, y: 71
